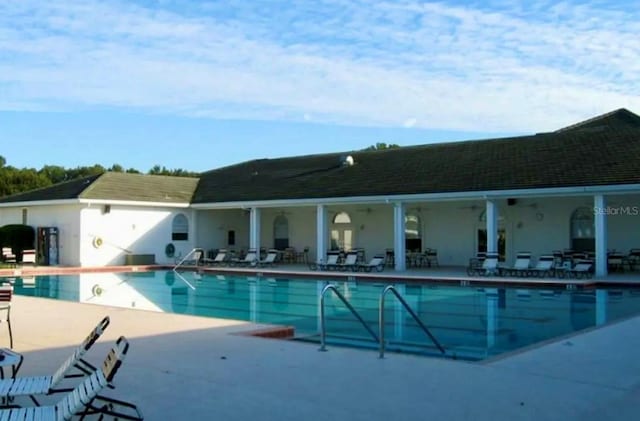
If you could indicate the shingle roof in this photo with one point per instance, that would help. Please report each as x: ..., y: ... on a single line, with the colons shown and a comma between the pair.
x: 600, y: 151
x: 117, y: 187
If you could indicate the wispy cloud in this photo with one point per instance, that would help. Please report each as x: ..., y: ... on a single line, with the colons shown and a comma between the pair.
x: 488, y: 67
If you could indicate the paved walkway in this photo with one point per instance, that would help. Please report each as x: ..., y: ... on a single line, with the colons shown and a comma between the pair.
x: 183, y: 367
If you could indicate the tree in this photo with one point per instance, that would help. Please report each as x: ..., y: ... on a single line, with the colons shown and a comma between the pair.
x: 379, y: 146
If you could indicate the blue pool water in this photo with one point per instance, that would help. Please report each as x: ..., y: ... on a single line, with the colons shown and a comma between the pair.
x: 471, y: 322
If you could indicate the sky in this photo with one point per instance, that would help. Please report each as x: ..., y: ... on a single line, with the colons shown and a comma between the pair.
x: 197, y: 85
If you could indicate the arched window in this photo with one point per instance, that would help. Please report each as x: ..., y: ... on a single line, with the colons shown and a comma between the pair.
x: 342, y: 218
x: 280, y: 232
x: 582, y: 230
x: 342, y: 232
x: 413, y: 233
x: 180, y: 228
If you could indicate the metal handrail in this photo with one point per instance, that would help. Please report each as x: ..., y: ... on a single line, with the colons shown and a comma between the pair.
x: 187, y: 257
x: 323, y: 332
x: 411, y: 312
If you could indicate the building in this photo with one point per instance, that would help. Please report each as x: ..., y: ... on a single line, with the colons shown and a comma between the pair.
x: 574, y: 188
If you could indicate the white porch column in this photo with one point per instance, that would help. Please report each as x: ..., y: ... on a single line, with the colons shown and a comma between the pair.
x: 600, y: 222
x: 492, y: 226
x: 321, y: 232
x: 254, y: 229
x: 399, y: 236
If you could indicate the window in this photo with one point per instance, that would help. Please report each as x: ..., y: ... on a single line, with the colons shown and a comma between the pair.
x: 180, y: 228
x: 582, y: 230
x: 342, y: 232
x: 280, y: 232
x: 413, y: 233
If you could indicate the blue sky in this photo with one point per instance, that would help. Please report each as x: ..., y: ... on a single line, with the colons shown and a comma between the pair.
x: 202, y: 84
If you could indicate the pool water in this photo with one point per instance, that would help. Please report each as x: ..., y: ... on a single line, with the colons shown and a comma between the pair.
x: 471, y: 322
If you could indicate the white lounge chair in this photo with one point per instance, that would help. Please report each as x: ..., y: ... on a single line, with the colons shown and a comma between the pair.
x: 350, y: 262
x: 84, y: 399
x: 521, y: 265
x: 29, y: 257
x: 270, y: 259
x: 377, y: 263
x: 250, y: 259
x: 488, y: 267
x: 220, y: 259
x: 8, y: 257
x: 544, y: 267
x: 33, y: 386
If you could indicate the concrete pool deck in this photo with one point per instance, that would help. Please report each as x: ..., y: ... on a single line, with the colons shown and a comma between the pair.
x: 186, y: 367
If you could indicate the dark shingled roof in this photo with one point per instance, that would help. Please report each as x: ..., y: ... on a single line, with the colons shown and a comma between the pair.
x: 115, y: 186
x: 599, y: 151
x: 603, y: 150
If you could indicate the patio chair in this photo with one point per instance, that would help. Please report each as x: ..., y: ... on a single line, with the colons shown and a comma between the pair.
x: 8, y: 257
x: 270, y: 259
x: 350, y: 262
x: 29, y: 257
x: 544, y: 267
x: 6, y: 295
x: 250, y: 259
x: 488, y: 267
x: 377, y: 263
x: 33, y: 386
x: 329, y: 264
x: 431, y: 257
x: 521, y: 265
x: 85, y: 399
x: 582, y: 269
x: 220, y: 259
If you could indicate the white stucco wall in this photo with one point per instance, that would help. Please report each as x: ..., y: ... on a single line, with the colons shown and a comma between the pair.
x: 213, y: 227
x: 131, y: 230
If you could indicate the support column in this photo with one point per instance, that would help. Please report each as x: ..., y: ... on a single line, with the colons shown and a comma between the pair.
x: 254, y: 229
x: 600, y: 222
x: 492, y: 226
x: 399, y: 237
x: 321, y: 232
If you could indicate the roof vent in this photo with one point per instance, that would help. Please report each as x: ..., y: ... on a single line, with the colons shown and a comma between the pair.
x: 347, y: 161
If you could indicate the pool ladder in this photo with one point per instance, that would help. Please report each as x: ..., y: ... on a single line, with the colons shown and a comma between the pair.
x: 195, y: 254
x: 381, y: 322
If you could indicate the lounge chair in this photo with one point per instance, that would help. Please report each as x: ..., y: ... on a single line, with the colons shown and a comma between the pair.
x: 8, y: 257
x: 220, y: 259
x: 350, y: 262
x: 582, y: 269
x: 544, y: 267
x: 29, y: 257
x: 488, y: 267
x: 84, y: 399
x: 251, y: 259
x: 270, y: 259
x: 521, y: 265
x: 331, y: 263
x: 33, y: 386
x: 6, y: 294
x: 377, y: 263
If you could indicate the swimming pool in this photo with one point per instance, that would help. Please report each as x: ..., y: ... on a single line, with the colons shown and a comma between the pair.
x: 471, y: 322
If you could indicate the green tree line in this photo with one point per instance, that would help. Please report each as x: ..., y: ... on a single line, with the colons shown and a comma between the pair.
x: 17, y: 180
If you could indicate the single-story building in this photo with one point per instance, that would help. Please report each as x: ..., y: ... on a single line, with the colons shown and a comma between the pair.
x: 575, y: 188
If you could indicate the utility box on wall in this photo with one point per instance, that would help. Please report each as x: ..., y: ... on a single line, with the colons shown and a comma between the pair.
x: 139, y: 259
